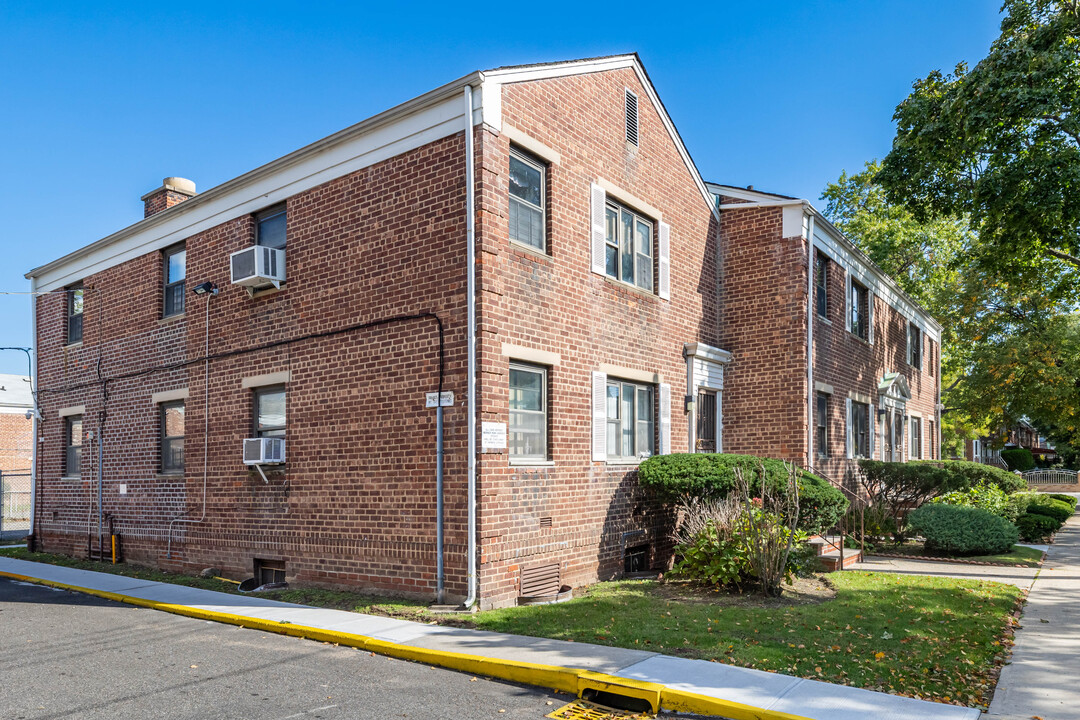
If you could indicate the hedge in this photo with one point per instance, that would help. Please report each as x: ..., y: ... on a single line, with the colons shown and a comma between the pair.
x: 959, y: 530
x: 712, y: 475
x: 1043, y: 505
x: 963, y: 475
x: 1018, y: 459
x: 1035, y: 528
x: 1064, y: 498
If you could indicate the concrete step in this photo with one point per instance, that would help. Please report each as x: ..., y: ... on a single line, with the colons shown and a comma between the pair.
x: 824, y: 544
x: 831, y: 559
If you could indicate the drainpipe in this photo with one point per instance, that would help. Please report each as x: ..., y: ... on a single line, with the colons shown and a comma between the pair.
x: 691, y: 400
x: 34, y: 426
x: 470, y: 291
x: 810, y: 311
x: 440, y: 572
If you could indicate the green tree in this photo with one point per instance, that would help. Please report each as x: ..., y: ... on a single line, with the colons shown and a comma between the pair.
x: 1000, y: 143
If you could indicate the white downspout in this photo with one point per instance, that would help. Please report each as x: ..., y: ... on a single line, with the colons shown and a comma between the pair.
x: 37, y: 413
x: 470, y: 292
x: 811, y: 309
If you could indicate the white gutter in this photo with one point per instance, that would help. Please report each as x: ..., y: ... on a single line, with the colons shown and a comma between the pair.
x: 470, y: 292
x: 811, y: 310
x: 37, y: 412
x: 764, y: 203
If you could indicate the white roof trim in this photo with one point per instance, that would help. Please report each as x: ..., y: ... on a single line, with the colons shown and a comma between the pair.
x: 428, y: 117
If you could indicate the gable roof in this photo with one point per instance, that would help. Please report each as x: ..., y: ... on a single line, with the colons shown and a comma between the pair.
x: 894, y: 385
x: 436, y: 114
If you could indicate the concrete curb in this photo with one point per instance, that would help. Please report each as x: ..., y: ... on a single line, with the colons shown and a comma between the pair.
x: 568, y: 680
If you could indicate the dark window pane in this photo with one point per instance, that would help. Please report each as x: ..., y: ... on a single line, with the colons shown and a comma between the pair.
x: 271, y: 230
x: 174, y: 299
x: 75, y: 329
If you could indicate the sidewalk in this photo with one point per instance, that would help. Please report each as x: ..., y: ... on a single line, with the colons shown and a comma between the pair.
x: 1041, y: 679
x: 693, y: 686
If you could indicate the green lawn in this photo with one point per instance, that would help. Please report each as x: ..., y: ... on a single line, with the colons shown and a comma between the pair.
x: 928, y: 637
x: 1019, y: 555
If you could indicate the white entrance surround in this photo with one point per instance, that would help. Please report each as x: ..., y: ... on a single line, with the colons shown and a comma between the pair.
x: 704, y: 371
x: 893, y: 396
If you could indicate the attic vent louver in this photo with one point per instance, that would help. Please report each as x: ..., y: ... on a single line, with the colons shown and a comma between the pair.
x: 631, y: 118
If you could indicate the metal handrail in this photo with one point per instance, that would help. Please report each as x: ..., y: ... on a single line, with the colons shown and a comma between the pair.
x: 856, y: 500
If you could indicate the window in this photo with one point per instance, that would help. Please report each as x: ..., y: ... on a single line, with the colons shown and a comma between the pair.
x: 631, y: 118
x: 915, y: 451
x: 860, y: 311
x: 270, y: 227
x: 931, y: 438
x: 706, y: 421
x: 73, y: 445
x: 914, y: 345
x: 528, y: 412
x: 931, y: 363
x: 629, y: 240
x: 526, y: 200
x: 269, y: 571
x: 172, y: 437
x: 821, y: 284
x: 629, y: 420
x: 860, y: 428
x: 175, y: 272
x: 821, y: 436
x: 270, y: 412
x: 74, y: 313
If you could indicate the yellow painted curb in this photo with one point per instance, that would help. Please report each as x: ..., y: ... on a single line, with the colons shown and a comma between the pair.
x: 568, y: 680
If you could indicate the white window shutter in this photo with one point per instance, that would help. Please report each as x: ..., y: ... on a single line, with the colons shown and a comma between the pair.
x: 665, y: 261
x: 598, y: 228
x: 665, y: 419
x: 848, y: 435
x: 870, y: 316
x: 599, y: 417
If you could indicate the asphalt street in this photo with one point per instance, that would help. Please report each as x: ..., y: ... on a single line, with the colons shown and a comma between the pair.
x: 67, y: 655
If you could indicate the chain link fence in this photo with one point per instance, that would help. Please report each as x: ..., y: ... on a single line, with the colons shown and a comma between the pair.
x: 14, y: 505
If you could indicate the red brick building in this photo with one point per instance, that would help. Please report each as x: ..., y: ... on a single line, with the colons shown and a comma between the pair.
x: 871, y: 386
x: 16, y: 442
x: 603, y: 318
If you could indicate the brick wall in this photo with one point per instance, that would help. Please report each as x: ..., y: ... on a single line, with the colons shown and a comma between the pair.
x: 15, y: 443
x: 552, y: 301
x: 355, y: 504
x: 763, y: 325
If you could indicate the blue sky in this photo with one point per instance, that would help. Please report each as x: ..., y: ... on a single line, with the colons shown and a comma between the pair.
x: 102, y: 100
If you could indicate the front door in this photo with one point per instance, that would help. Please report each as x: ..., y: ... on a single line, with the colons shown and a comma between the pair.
x: 706, y: 422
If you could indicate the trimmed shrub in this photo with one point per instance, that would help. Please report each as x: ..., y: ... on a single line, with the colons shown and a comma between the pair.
x: 1018, y: 459
x: 712, y: 476
x: 963, y: 475
x: 958, y: 530
x: 987, y: 497
x: 1043, y: 505
x: 1036, y: 528
x: 1064, y: 498
x: 1017, y: 505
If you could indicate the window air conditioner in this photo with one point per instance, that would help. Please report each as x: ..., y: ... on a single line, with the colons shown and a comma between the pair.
x: 264, y: 451
x: 258, y: 266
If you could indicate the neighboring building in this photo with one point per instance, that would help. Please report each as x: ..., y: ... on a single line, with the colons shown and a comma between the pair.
x: 1022, y: 434
x: 619, y: 312
x: 16, y: 425
x: 596, y: 246
x: 870, y: 389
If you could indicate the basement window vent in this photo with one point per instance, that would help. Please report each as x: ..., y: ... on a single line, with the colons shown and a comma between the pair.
x: 636, y: 559
x: 269, y: 571
x: 631, y: 118
x: 540, y: 580
x: 545, y: 522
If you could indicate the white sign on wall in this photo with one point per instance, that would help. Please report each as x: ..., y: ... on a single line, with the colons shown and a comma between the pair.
x: 493, y: 436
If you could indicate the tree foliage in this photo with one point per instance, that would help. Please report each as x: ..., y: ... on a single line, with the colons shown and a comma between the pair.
x: 1000, y: 143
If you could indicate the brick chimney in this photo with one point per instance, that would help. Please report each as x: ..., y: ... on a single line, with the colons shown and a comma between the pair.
x: 173, y: 191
